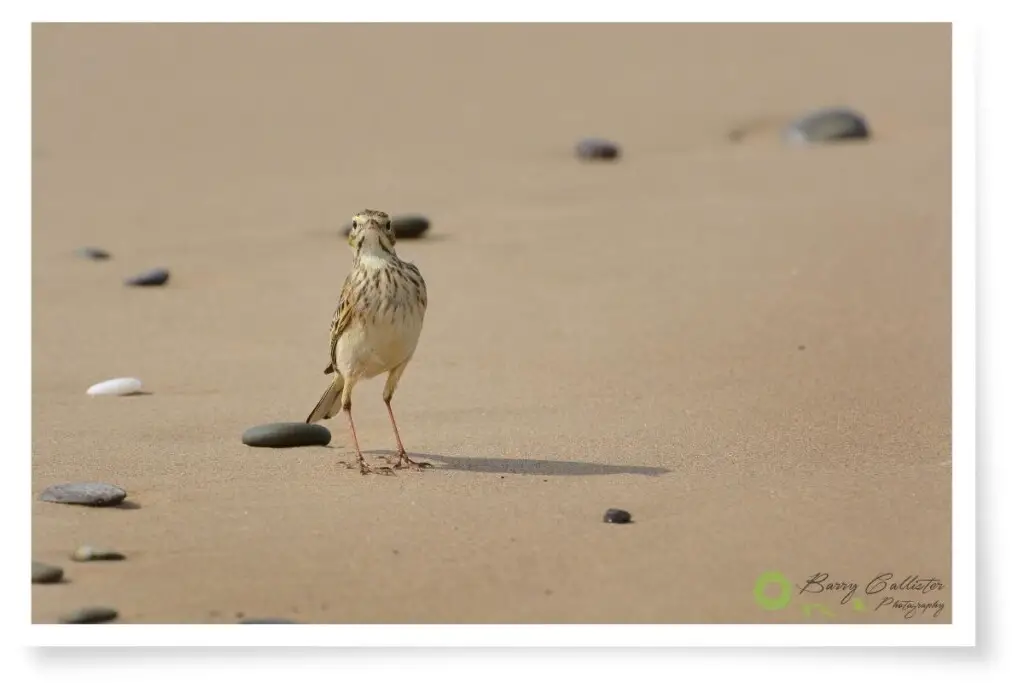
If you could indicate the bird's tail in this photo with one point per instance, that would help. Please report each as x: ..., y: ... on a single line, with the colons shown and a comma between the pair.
x: 330, y: 402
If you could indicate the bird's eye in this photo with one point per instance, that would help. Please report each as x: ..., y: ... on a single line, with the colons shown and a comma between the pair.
x: 353, y: 224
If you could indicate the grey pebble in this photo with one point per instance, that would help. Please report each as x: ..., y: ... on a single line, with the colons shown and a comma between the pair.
x: 616, y: 516
x: 94, y: 253
x: 87, y: 553
x: 89, y: 615
x: 150, y: 278
x: 267, y: 620
x: 828, y: 125
x: 286, y: 435
x: 95, y: 494
x: 406, y: 227
x: 46, y: 573
x: 596, y: 148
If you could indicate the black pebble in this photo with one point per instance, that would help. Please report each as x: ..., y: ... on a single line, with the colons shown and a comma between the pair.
x: 95, y: 494
x: 595, y: 148
x: 46, y: 573
x: 406, y: 227
x: 286, y: 435
x: 89, y: 615
x: 93, y: 253
x: 267, y: 620
x: 616, y: 516
x: 828, y: 125
x: 150, y: 278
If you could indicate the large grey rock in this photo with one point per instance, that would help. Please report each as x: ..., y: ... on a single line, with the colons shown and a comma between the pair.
x: 95, y: 494
x: 286, y: 435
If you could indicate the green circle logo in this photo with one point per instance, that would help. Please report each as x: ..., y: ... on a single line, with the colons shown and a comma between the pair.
x: 767, y: 602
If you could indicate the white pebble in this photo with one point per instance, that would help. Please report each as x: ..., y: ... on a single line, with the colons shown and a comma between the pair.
x: 122, y: 386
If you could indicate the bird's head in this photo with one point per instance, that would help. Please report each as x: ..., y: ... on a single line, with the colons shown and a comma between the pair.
x: 371, y: 234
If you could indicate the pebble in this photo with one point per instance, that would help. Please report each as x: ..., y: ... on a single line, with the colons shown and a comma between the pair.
x: 150, y: 278
x: 94, y: 253
x: 87, y: 553
x: 595, y: 148
x: 95, y: 494
x: 828, y: 125
x: 286, y: 435
x: 46, y: 573
x: 616, y: 516
x: 89, y: 615
x: 267, y: 620
x: 121, y: 386
x: 406, y: 227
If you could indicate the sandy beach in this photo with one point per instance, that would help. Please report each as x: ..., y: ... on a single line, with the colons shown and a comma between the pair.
x: 744, y: 344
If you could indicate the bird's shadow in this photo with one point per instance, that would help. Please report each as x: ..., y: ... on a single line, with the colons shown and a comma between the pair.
x: 529, y: 466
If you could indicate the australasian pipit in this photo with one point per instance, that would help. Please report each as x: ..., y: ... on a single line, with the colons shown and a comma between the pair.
x: 376, y: 326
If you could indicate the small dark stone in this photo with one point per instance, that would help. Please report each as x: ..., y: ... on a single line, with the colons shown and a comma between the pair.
x: 95, y: 494
x: 286, y: 435
x: 94, y: 253
x: 89, y: 615
x: 267, y: 620
x: 595, y: 148
x: 801, y: 347
x: 150, y: 278
x: 406, y: 227
x: 87, y: 553
x: 46, y: 573
x: 615, y: 516
x: 828, y: 125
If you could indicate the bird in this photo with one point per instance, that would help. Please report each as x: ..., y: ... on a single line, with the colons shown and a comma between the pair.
x: 375, y: 329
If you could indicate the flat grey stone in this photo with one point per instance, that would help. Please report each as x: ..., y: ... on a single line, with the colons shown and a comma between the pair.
x: 89, y: 615
x: 616, y: 516
x: 286, y: 435
x: 95, y: 494
x: 266, y: 620
x: 87, y: 553
x: 828, y: 125
x: 46, y: 573
x: 94, y: 253
x: 596, y: 148
x: 149, y: 278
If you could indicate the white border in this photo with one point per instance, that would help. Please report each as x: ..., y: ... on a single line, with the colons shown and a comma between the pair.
x: 960, y: 633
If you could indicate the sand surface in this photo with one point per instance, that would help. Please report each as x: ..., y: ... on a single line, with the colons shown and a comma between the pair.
x: 745, y: 345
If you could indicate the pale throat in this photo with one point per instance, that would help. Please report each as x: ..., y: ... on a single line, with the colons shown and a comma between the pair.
x: 373, y: 254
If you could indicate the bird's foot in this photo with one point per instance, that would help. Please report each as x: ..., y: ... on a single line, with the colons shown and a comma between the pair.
x: 366, y: 469
x: 401, y: 460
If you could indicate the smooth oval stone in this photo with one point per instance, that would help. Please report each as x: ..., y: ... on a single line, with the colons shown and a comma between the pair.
x: 120, y: 386
x: 406, y: 227
x: 95, y: 494
x: 616, y: 516
x: 150, y: 278
x: 89, y: 615
x: 94, y: 253
x: 828, y: 125
x: 46, y: 573
x: 595, y: 148
x: 286, y: 435
x: 267, y: 620
x: 87, y: 553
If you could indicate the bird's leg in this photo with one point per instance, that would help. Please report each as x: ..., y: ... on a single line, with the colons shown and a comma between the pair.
x: 363, y: 467
x: 403, y: 457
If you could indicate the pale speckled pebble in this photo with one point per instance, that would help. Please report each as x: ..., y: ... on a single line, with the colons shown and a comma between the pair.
x: 46, y: 573
x: 95, y: 494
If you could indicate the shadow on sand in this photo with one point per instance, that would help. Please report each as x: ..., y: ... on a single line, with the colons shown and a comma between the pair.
x: 547, y: 468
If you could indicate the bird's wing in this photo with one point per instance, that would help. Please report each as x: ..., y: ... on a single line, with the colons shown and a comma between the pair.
x: 342, y: 316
